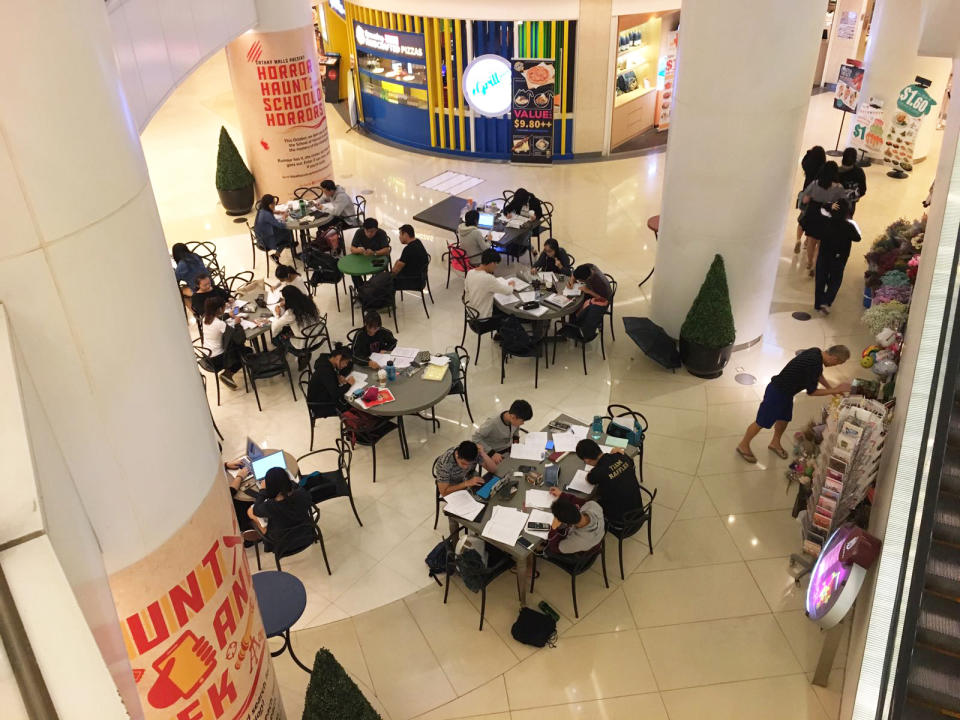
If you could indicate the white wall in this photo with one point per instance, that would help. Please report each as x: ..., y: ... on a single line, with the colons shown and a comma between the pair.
x: 840, y: 48
x: 159, y: 42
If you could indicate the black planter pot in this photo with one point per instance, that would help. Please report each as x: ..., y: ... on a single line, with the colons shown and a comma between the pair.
x: 237, y: 202
x: 703, y: 361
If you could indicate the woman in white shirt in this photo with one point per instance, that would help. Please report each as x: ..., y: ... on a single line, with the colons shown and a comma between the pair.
x: 213, y: 329
x: 287, y: 276
x: 295, y: 310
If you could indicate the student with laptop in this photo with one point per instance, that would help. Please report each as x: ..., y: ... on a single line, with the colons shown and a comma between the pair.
x: 615, y: 476
x: 286, y: 510
x: 456, y: 469
x: 498, y: 432
x: 480, y: 286
x: 578, y: 527
x: 472, y: 240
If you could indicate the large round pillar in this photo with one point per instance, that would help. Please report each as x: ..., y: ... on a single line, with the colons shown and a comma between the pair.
x: 891, y: 63
x: 735, y: 132
x: 96, y: 315
x: 279, y: 98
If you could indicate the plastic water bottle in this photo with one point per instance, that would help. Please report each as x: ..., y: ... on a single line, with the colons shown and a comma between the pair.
x: 303, y: 208
x: 596, y: 428
x: 391, y: 371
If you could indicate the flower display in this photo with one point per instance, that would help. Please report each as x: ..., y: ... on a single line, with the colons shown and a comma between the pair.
x: 885, y: 315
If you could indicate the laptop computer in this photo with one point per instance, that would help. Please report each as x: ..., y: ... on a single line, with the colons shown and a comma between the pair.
x: 254, y: 451
x: 263, y: 464
x: 486, y: 221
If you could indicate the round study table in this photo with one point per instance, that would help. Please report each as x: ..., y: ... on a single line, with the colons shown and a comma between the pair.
x: 413, y: 396
x: 361, y: 265
x: 282, y: 599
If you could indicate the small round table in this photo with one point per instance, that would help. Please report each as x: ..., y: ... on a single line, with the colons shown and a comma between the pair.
x: 413, y: 395
x: 282, y: 600
x: 552, y: 313
x: 361, y: 264
x: 304, y: 225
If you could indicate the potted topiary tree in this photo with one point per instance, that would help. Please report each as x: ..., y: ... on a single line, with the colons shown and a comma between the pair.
x: 707, y: 334
x: 332, y: 694
x: 234, y: 181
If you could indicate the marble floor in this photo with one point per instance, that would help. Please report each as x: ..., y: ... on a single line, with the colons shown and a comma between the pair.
x: 710, y: 624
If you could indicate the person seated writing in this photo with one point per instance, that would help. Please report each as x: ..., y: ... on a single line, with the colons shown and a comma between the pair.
x: 372, y: 338
x: 205, y: 291
x: 523, y: 202
x: 409, y: 270
x: 480, y: 286
x: 213, y: 329
x: 615, y: 476
x: 553, y: 259
x: 457, y: 468
x: 499, y: 432
x: 282, y: 513
x: 273, y: 233
x: 326, y: 392
x: 286, y: 276
x: 338, y: 203
x: 593, y: 283
x: 577, y: 528
x: 472, y: 239
x: 370, y: 240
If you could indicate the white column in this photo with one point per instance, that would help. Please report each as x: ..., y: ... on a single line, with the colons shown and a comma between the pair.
x: 96, y: 316
x: 890, y: 62
x: 937, y: 71
x: 279, y: 99
x: 734, y: 101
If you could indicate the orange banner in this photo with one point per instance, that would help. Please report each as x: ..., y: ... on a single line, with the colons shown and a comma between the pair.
x: 191, y: 624
x: 279, y: 98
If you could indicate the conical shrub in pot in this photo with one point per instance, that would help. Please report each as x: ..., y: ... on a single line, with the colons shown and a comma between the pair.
x: 708, y: 332
x: 234, y: 180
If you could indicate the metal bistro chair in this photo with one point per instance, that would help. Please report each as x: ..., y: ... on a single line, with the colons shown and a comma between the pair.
x: 315, y: 411
x: 312, y: 194
x: 416, y: 284
x: 318, y: 274
x: 368, y: 437
x: 235, y: 282
x: 391, y: 308
x: 471, y: 319
x: 579, y: 563
x: 456, y: 258
x: 458, y: 376
x: 256, y: 243
x: 291, y: 541
x: 484, y: 577
x: 313, y: 337
x: 609, y: 309
x: 619, y: 412
x: 546, y: 222
x: 631, y: 523
x: 332, y: 483
x: 359, y: 215
x: 207, y: 252
x: 536, y: 349
x: 203, y: 381
x: 580, y: 334
x: 438, y: 496
x: 267, y: 364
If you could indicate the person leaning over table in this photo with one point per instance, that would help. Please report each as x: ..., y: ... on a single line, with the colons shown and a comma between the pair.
x: 457, y: 467
x: 294, y: 311
x: 552, y: 258
x: 577, y: 527
x: 498, y: 432
x: 370, y: 240
x: 615, y: 476
x: 480, y: 286
x: 373, y: 338
x: 803, y: 372
x: 244, y: 491
x: 286, y: 276
x: 472, y: 239
x: 593, y: 283
x: 286, y: 508
x: 337, y: 202
x: 409, y: 269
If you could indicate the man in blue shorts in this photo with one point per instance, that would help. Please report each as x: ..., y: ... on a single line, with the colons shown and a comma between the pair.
x: 804, y: 372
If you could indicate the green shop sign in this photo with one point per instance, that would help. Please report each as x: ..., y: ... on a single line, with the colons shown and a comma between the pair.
x: 915, y: 101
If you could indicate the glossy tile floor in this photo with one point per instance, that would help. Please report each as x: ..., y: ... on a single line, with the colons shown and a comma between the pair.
x: 710, y: 624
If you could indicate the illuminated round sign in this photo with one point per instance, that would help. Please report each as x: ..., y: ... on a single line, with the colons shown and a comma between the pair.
x: 487, y: 85
x: 833, y: 584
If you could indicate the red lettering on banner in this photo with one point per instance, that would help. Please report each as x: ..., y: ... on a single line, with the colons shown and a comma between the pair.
x: 191, y: 712
x: 212, y: 561
x: 224, y: 623
x: 217, y: 694
x: 181, y: 599
x: 139, y: 634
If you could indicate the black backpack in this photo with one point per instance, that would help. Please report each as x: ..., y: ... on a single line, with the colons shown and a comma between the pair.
x: 437, y: 560
x: 472, y: 569
x: 514, y: 339
x: 533, y: 628
x: 234, y: 345
x: 324, y: 266
x: 378, y: 291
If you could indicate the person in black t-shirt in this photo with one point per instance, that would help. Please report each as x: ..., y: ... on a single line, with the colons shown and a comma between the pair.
x: 852, y: 177
x: 205, y: 289
x: 372, y: 338
x: 286, y: 508
x: 615, y: 475
x: 839, y: 232
x: 408, y: 271
x: 804, y: 372
x: 370, y: 240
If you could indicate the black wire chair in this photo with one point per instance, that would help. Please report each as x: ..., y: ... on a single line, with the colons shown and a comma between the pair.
x: 618, y: 412
x: 471, y: 319
x: 609, y: 309
x: 368, y: 437
x: 483, y: 576
x: 292, y: 541
x: 267, y: 364
x: 315, y: 411
x: 632, y: 522
x: 334, y: 483
x: 311, y: 339
x: 536, y: 349
x: 574, y: 564
x: 416, y: 284
x: 308, y: 193
x: 458, y: 377
x: 390, y: 309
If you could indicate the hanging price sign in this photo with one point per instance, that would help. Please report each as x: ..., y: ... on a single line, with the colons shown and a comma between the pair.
x: 915, y: 101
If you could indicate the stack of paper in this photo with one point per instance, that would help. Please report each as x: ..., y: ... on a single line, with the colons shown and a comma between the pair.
x: 518, y: 283
x: 579, y: 431
x: 538, y: 499
x: 462, y: 504
x: 505, y: 299
x: 441, y: 360
x: 381, y: 359
x: 572, y: 292
x: 407, y: 352
x: 522, y: 451
x: 540, y: 516
x: 565, y: 442
x: 496, y: 237
x: 536, y: 439
x: 537, y: 311
x: 528, y: 296
x: 579, y: 483
x: 359, y: 381
x: 505, y: 525
x: 558, y: 300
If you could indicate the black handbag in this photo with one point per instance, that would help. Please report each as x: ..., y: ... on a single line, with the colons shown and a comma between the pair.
x: 533, y: 628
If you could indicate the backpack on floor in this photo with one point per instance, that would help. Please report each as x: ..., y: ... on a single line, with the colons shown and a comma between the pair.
x: 378, y: 291
x: 472, y: 569
x: 533, y: 628
x: 437, y: 560
x: 323, y: 265
x: 513, y: 338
